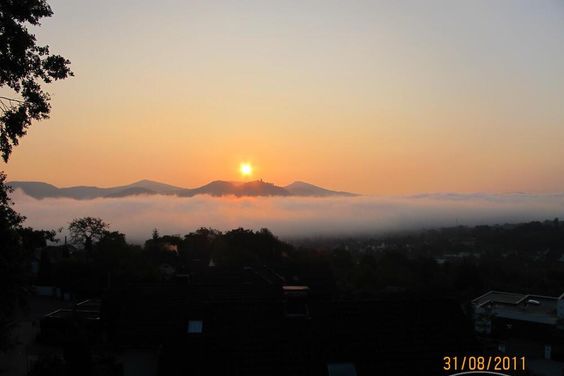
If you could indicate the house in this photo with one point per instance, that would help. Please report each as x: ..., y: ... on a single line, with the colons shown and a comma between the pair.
x: 43, y: 264
x: 525, y: 324
x: 253, y: 321
x: 55, y: 326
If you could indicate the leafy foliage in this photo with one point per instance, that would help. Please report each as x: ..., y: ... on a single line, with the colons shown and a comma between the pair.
x: 85, y: 231
x: 12, y: 260
x: 24, y: 66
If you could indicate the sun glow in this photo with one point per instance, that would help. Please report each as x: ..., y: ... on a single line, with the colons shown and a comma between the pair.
x: 246, y: 169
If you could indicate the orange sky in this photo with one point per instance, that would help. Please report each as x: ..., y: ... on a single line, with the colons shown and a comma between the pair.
x: 370, y: 97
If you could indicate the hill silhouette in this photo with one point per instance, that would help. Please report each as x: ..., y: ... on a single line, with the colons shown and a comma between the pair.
x: 216, y: 188
x: 300, y: 188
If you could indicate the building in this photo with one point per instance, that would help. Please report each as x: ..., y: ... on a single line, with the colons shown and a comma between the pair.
x: 522, y: 324
x: 252, y: 321
x: 55, y: 326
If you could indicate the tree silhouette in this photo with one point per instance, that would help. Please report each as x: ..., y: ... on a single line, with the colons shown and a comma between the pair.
x: 12, y: 261
x: 85, y: 231
x: 24, y: 67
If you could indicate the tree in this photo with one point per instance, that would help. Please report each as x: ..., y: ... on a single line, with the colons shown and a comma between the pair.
x: 242, y: 247
x: 87, y: 230
x: 24, y: 67
x: 50, y: 365
x: 33, y: 239
x: 12, y: 261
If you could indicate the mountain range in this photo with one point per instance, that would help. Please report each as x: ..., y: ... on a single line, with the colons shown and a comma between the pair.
x: 216, y: 188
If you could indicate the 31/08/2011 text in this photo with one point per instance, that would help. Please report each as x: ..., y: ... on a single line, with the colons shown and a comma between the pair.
x: 483, y: 363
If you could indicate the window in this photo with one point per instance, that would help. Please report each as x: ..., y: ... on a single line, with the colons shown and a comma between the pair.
x: 195, y: 327
x: 341, y: 369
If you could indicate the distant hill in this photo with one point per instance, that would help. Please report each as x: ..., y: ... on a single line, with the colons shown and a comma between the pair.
x: 300, y: 188
x: 147, y: 187
x: 154, y: 186
x: 225, y: 188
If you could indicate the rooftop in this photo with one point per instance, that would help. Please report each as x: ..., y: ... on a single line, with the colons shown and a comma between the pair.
x: 499, y: 297
x: 524, y: 307
x: 234, y: 322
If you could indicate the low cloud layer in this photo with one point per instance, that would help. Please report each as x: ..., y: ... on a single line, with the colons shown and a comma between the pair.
x: 289, y: 217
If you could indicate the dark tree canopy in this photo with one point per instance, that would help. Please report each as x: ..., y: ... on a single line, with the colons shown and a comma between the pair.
x: 9, y: 218
x: 85, y: 231
x: 12, y: 263
x: 24, y: 67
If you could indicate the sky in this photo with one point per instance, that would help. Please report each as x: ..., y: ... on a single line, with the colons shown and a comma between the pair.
x: 374, y: 97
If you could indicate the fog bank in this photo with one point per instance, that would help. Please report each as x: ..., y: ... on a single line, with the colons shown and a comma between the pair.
x: 288, y: 217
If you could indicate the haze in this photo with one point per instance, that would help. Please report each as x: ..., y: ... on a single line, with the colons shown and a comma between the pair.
x: 290, y: 217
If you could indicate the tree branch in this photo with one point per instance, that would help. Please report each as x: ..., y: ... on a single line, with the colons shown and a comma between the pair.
x: 11, y: 99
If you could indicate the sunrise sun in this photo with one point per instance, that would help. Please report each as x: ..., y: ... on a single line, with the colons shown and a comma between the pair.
x: 246, y: 169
